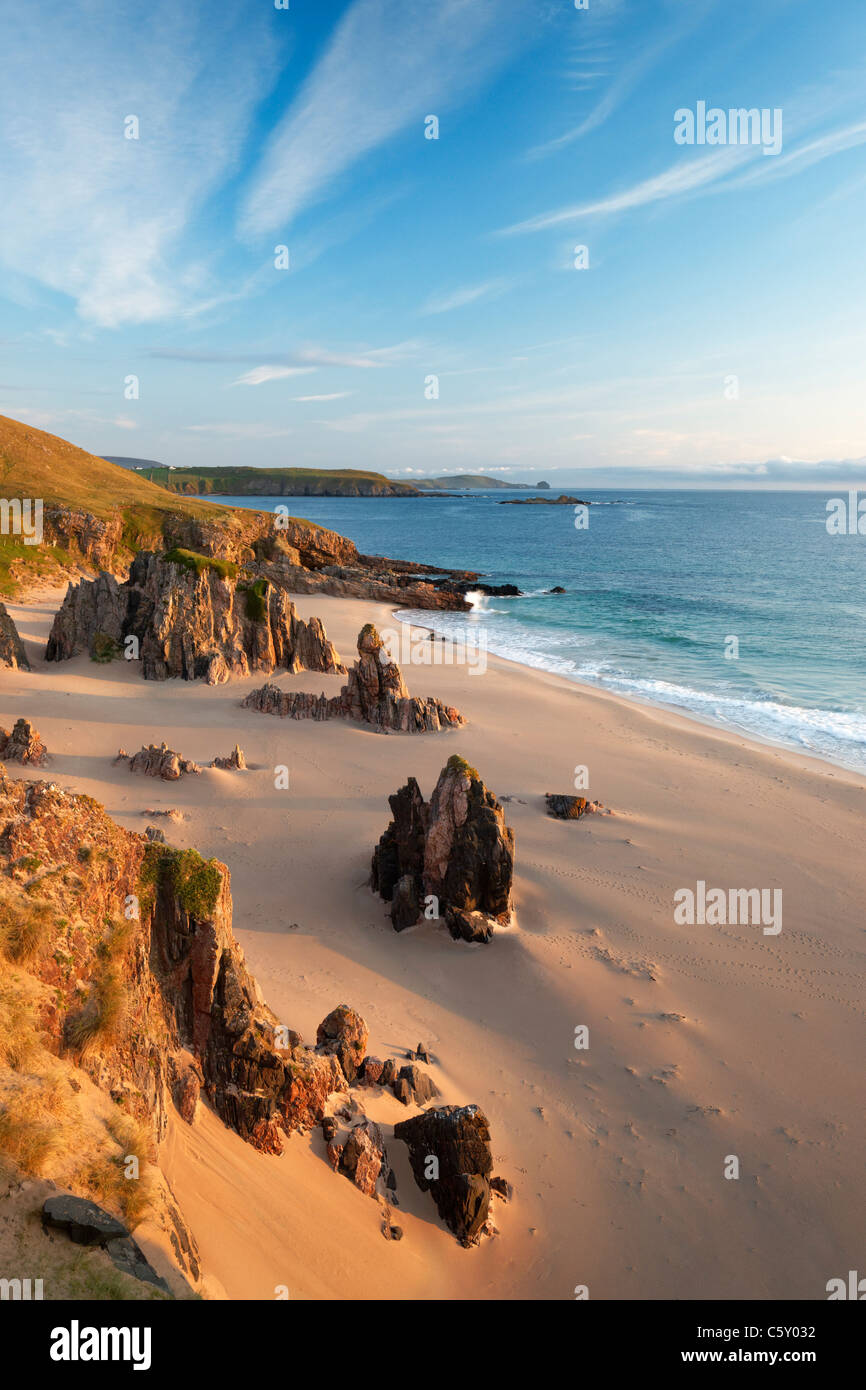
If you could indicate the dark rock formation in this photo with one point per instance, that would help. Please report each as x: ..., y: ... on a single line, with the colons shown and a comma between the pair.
x: 458, y: 850
x: 87, y: 1224
x: 343, y: 1034
x: 12, y: 651
x: 458, y: 1138
x: 23, y: 745
x: 374, y: 694
x: 82, y: 1221
x: 189, y: 618
x: 414, y: 1086
x: 160, y: 761
x: 234, y: 762
x: 571, y: 807
x: 363, y: 1158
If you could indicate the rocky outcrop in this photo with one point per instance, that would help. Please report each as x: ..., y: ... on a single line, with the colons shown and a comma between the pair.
x: 414, y: 1087
x: 12, y: 651
x: 363, y: 1158
x: 235, y: 762
x: 454, y: 856
x: 158, y: 761
x: 183, y: 614
x: 458, y: 1139
x: 23, y: 745
x: 571, y: 807
x: 375, y: 694
x: 343, y: 1034
x: 146, y: 986
x: 87, y: 1224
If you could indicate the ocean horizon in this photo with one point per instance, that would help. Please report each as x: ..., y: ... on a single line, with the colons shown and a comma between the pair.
x: 738, y: 608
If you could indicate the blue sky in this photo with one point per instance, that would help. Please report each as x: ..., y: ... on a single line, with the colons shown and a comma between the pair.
x: 716, y: 333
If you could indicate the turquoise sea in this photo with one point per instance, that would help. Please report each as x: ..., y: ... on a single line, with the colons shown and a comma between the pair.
x: 657, y: 585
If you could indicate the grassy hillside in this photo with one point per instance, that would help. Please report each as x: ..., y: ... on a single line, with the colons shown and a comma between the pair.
x: 277, y: 482
x: 96, y: 514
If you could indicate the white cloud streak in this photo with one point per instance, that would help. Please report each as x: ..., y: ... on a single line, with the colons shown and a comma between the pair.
x: 390, y: 63
x: 94, y: 215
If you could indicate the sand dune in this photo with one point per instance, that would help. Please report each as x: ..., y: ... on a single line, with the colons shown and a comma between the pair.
x: 705, y: 1041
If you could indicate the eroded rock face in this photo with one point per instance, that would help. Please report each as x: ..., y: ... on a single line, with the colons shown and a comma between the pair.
x: 458, y: 1138
x: 235, y: 762
x: 189, y: 620
x: 456, y: 850
x: 363, y: 1158
x: 23, y: 745
x: 158, y: 761
x: 12, y: 651
x: 192, y: 1016
x: 343, y: 1034
x: 375, y: 693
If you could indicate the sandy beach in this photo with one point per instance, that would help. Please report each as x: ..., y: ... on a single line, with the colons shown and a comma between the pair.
x: 705, y: 1041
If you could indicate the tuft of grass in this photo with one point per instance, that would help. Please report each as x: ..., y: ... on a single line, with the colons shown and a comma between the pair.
x: 104, y: 648
x: 99, y: 1022
x: 457, y: 764
x: 191, y: 560
x: 255, y: 601
x: 30, y: 1135
x: 25, y: 927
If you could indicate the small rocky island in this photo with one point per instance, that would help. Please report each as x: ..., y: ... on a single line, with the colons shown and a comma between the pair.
x: 563, y: 500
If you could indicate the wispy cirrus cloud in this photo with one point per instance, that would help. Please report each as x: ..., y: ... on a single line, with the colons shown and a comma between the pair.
x: 259, y: 375
x: 684, y: 177
x: 595, y: 52
x: 710, y: 173
x: 87, y: 212
x: 331, y: 396
x: 389, y: 63
x: 459, y: 298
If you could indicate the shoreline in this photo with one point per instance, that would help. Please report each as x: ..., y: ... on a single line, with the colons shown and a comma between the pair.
x: 815, y: 761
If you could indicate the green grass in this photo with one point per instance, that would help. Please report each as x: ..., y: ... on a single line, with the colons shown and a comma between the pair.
x: 104, y: 649
x: 457, y: 764
x: 195, y: 881
x: 256, y: 601
x: 190, y: 560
